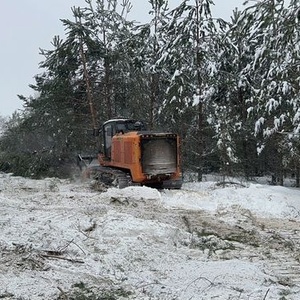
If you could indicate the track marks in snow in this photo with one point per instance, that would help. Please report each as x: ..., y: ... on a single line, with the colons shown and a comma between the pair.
x: 160, y: 244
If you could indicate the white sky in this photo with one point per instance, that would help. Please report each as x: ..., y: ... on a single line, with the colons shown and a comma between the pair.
x: 29, y: 25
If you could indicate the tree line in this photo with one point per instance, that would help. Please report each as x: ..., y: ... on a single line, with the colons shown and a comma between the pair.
x: 229, y: 88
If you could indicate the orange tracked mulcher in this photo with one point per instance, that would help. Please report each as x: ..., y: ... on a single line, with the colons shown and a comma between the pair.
x: 133, y: 155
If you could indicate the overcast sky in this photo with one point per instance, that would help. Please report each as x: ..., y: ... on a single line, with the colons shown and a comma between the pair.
x: 27, y: 25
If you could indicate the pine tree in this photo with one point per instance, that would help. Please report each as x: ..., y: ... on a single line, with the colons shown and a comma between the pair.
x: 232, y: 95
x: 186, y: 57
x: 146, y: 45
x: 276, y: 102
x: 81, y: 66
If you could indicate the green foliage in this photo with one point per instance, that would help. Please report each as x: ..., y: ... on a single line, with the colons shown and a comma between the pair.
x: 230, y: 89
x: 25, y: 150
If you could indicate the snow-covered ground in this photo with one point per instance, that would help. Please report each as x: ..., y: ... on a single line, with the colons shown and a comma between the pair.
x: 61, y: 240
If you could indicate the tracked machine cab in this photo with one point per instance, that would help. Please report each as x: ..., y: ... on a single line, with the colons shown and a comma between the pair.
x: 132, y: 155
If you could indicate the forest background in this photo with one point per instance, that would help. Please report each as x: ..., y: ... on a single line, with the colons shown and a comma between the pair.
x: 229, y: 89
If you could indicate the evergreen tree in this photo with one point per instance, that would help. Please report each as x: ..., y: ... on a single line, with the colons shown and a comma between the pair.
x: 187, y: 58
x: 276, y: 101
x: 79, y: 70
x: 232, y: 95
x: 230, y: 89
x: 147, y: 43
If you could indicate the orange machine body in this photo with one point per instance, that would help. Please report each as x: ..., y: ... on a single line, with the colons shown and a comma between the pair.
x: 149, y: 157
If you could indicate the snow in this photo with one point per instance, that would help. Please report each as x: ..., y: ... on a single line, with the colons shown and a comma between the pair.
x: 296, y: 117
x: 259, y: 52
x: 258, y: 124
x: 176, y: 73
x: 271, y: 105
x: 60, y: 238
x: 279, y: 203
x: 285, y: 87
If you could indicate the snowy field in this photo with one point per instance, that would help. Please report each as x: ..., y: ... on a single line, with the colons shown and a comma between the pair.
x: 61, y: 240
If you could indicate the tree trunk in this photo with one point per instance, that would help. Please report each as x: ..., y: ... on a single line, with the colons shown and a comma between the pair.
x: 297, y: 176
x: 200, y: 141
x: 153, y: 99
x: 87, y: 81
x: 107, y: 89
x: 199, y: 59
